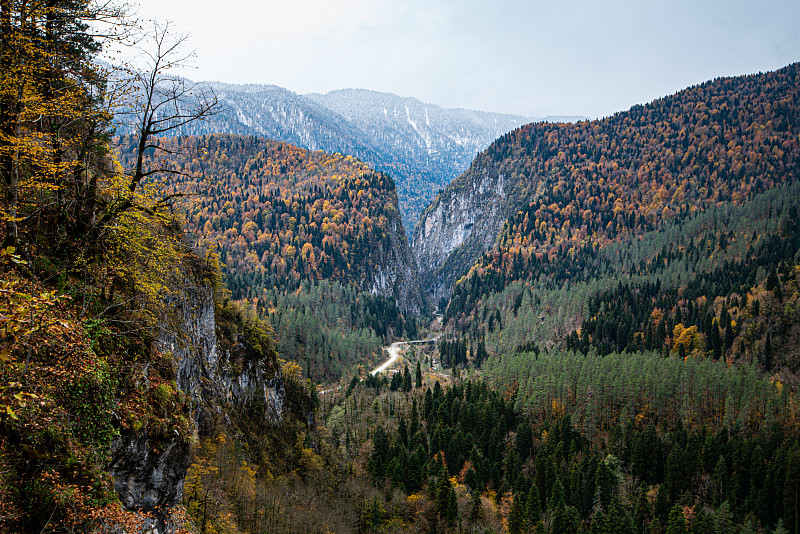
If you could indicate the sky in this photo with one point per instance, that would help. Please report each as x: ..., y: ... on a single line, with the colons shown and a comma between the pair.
x: 531, y: 58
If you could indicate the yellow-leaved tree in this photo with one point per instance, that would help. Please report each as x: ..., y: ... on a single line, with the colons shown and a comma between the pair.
x: 90, y: 251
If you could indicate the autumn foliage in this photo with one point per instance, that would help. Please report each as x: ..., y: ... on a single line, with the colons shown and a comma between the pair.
x: 279, y: 214
x: 592, y: 183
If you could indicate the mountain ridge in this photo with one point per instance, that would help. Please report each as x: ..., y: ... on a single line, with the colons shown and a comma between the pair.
x: 285, y: 213
x: 421, y: 155
x: 592, y: 182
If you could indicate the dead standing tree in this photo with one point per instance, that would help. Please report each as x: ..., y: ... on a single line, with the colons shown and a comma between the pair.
x: 164, y: 103
x: 160, y: 103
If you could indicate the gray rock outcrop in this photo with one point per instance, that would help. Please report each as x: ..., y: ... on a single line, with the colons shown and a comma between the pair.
x: 149, y: 473
x: 460, y: 225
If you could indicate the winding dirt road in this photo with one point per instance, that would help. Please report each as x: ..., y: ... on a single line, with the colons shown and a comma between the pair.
x: 394, y: 353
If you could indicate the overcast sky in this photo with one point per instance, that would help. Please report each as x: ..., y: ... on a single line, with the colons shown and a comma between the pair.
x: 533, y: 58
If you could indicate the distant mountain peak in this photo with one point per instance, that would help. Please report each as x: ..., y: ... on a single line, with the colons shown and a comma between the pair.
x: 421, y: 145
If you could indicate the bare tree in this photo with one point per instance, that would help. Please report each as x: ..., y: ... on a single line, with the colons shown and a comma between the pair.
x: 51, y: 109
x: 163, y: 103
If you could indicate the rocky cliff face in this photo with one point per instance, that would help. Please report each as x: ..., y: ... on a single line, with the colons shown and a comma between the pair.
x: 461, y: 224
x: 396, y: 271
x: 422, y: 145
x: 218, y: 375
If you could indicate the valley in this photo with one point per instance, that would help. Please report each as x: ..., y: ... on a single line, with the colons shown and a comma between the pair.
x: 587, y: 284
x: 255, y: 311
x: 422, y: 146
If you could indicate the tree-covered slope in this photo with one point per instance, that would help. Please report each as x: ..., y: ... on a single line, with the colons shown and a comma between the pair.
x: 633, y: 293
x: 311, y: 241
x: 551, y: 189
x: 279, y: 214
x: 115, y: 355
x: 422, y: 146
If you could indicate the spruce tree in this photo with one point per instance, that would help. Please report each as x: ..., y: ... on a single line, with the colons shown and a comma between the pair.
x: 677, y: 522
x: 516, y: 517
x: 533, y: 508
x: 406, y: 380
x: 476, y: 508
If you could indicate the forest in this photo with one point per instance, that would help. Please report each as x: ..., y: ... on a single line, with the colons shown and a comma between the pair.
x: 649, y: 288
x: 277, y: 214
x: 333, y: 330
x: 718, y: 284
x: 96, y: 288
x: 699, y: 448
x: 583, y: 186
x: 197, y: 313
x: 297, y: 234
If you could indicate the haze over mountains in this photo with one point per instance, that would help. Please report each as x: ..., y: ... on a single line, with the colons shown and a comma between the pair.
x: 422, y: 146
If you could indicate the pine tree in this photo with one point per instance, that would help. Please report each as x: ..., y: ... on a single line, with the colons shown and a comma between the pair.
x: 791, y: 491
x: 516, y: 517
x: 406, y: 380
x: 444, y: 500
x: 642, y: 513
x: 723, y: 520
x: 402, y: 432
x: 533, y: 507
x: 604, y: 480
x: 476, y: 508
x: 677, y: 522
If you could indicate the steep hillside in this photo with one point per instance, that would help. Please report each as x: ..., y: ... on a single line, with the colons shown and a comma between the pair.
x: 720, y: 285
x: 421, y: 146
x: 567, y: 186
x: 635, y: 293
x: 430, y: 136
x: 310, y: 240
x: 117, y: 350
x: 280, y: 214
x: 277, y: 113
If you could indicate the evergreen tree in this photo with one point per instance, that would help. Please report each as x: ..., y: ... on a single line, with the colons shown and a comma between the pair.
x: 533, y: 507
x: 718, y: 482
x: 618, y: 520
x: 397, y: 381
x: 642, y: 514
x: 779, y: 528
x: 516, y: 517
x: 723, y: 520
x: 791, y: 490
x: 380, y: 449
x: 677, y: 522
x: 445, y: 498
x: 406, y: 380
x: 524, y: 440
x: 476, y: 508
x: 604, y: 481
x: 402, y: 432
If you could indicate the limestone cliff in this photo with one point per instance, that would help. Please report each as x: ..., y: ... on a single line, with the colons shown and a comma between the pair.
x: 460, y: 224
x: 395, y: 272
x: 219, y: 370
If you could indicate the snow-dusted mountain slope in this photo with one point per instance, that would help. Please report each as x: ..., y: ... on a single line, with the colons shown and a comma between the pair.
x: 422, y: 146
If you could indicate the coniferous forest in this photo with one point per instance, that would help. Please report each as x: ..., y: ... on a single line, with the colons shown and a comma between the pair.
x: 190, y: 326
